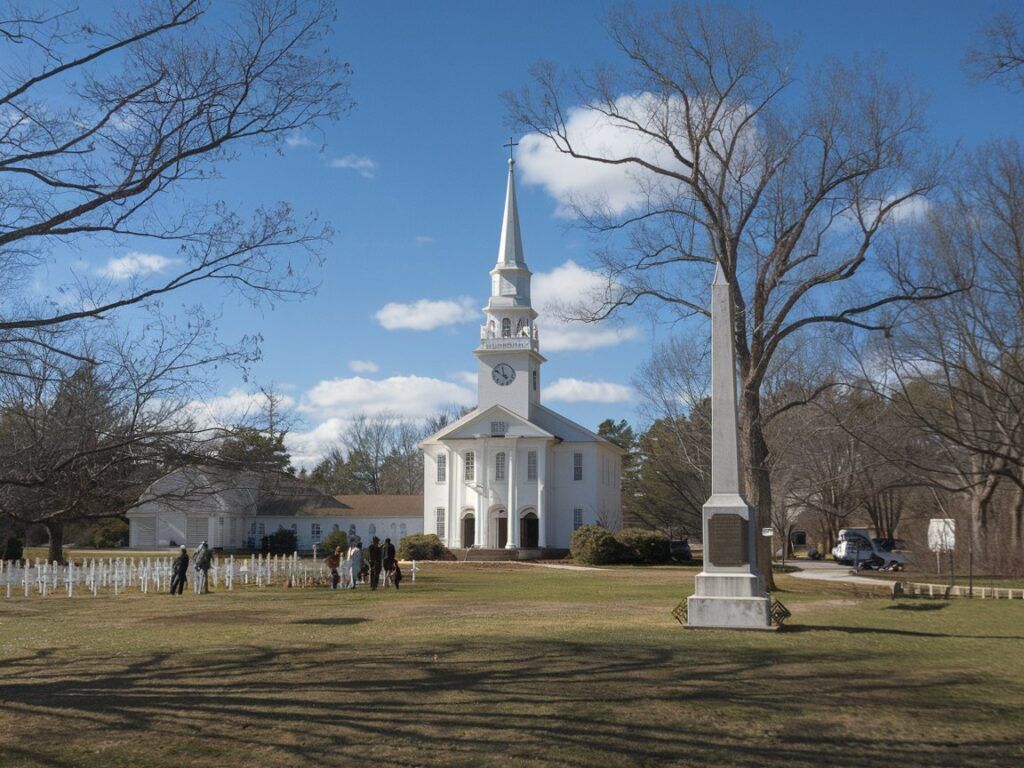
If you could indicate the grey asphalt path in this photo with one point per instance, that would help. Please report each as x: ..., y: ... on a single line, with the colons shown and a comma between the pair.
x: 827, y: 570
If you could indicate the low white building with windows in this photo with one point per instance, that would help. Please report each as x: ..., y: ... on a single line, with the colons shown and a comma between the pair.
x: 512, y: 459
x: 235, y: 510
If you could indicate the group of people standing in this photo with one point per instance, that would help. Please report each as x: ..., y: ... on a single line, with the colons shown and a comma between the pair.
x: 348, y: 570
x: 202, y: 561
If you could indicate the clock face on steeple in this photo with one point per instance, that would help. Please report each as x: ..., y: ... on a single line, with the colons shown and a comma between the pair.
x: 503, y: 374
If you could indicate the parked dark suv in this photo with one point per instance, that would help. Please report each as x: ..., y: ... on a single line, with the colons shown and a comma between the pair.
x: 680, y: 551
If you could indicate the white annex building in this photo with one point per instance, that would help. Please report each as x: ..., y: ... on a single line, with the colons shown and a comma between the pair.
x: 512, y: 458
x: 233, y: 509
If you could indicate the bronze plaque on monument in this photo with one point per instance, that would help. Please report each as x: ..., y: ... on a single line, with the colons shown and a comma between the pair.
x: 727, y: 540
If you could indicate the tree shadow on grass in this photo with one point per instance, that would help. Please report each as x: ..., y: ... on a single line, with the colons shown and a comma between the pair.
x: 340, y: 621
x: 796, y: 629
x: 919, y: 607
x: 495, y: 702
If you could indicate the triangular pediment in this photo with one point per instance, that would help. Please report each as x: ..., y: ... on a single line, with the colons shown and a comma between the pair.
x: 478, y: 423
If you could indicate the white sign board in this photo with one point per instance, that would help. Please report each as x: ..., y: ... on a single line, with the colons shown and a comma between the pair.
x: 767, y: 532
x: 941, y: 534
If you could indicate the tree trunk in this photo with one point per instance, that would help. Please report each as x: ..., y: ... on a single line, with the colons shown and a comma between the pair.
x: 980, y: 498
x: 1017, y: 521
x: 757, y: 477
x: 55, y: 528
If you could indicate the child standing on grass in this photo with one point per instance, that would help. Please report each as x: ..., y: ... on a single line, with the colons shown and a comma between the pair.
x: 332, y: 562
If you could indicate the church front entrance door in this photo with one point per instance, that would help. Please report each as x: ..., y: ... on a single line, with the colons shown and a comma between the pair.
x: 468, y: 531
x: 529, y: 530
x: 502, y: 532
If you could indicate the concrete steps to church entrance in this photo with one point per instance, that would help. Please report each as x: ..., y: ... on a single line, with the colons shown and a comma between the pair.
x: 481, y: 555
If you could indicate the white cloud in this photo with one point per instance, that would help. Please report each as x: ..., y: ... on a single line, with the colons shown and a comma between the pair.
x: 408, y: 396
x: 911, y: 210
x: 426, y: 315
x: 223, y: 410
x: 579, y: 391
x: 364, y: 166
x: 566, y: 285
x: 331, y: 404
x: 298, y: 139
x: 424, y: 240
x: 466, y: 377
x: 363, y: 366
x: 136, y: 264
x: 307, y: 448
x: 590, y: 184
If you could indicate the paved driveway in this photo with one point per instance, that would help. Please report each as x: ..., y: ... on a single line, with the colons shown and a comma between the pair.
x: 828, y: 570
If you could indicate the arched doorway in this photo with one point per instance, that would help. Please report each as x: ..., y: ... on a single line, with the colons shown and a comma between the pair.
x: 498, y: 528
x: 529, y: 530
x: 468, y: 530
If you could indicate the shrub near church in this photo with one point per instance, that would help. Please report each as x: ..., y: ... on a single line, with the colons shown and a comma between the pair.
x: 596, y: 545
x: 421, y: 546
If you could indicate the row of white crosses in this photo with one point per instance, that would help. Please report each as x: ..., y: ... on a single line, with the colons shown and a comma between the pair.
x: 153, y: 574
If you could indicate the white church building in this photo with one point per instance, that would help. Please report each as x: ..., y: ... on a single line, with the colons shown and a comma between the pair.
x: 512, y: 459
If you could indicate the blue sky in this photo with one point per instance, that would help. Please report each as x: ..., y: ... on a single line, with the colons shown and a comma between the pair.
x: 413, y: 181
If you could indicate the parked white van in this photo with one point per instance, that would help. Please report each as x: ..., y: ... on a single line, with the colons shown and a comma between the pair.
x: 857, y: 548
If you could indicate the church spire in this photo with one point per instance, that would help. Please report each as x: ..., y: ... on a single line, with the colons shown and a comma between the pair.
x: 510, y: 249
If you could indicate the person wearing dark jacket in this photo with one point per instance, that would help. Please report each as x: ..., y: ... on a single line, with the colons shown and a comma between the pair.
x: 387, y: 554
x: 179, y: 571
x: 202, y: 560
x: 375, y: 563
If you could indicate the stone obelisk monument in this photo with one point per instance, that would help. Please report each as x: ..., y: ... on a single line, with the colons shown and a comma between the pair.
x: 729, y: 591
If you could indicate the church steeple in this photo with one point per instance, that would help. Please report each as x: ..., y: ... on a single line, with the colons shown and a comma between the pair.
x: 510, y: 249
x: 509, y: 350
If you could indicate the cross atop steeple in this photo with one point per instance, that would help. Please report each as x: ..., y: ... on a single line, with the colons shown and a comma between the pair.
x: 510, y: 145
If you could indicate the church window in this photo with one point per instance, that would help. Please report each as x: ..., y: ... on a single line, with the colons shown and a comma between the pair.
x: 262, y: 531
x: 442, y: 468
x: 439, y: 512
x: 402, y: 531
x: 314, y: 533
x: 577, y: 518
x: 506, y: 327
x: 499, y: 466
x: 373, y: 530
x: 520, y: 326
x: 252, y: 528
x: 535, y: 381
x: 577, y: 466
x: 470, y: 466
x: 351, y: 532
x: 498, y: 428
x: 531, y: 465
x: 394, y: 532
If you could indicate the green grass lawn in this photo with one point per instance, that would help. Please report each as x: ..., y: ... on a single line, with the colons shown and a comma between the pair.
x: 498, y: 665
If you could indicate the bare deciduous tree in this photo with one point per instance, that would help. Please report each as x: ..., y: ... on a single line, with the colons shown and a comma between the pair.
x: 999, y: 56
x: 789, y: 183
x: 109, y: 129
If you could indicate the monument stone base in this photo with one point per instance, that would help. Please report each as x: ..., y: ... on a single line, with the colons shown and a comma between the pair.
x: 717, y: 612
x: 729, y: 593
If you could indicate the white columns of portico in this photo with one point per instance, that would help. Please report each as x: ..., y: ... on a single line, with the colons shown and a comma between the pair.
x: 513, y: 497
x: 452, y: 514
x: 542, y: 520
x: 458, y: 478
x: 483, y: 504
